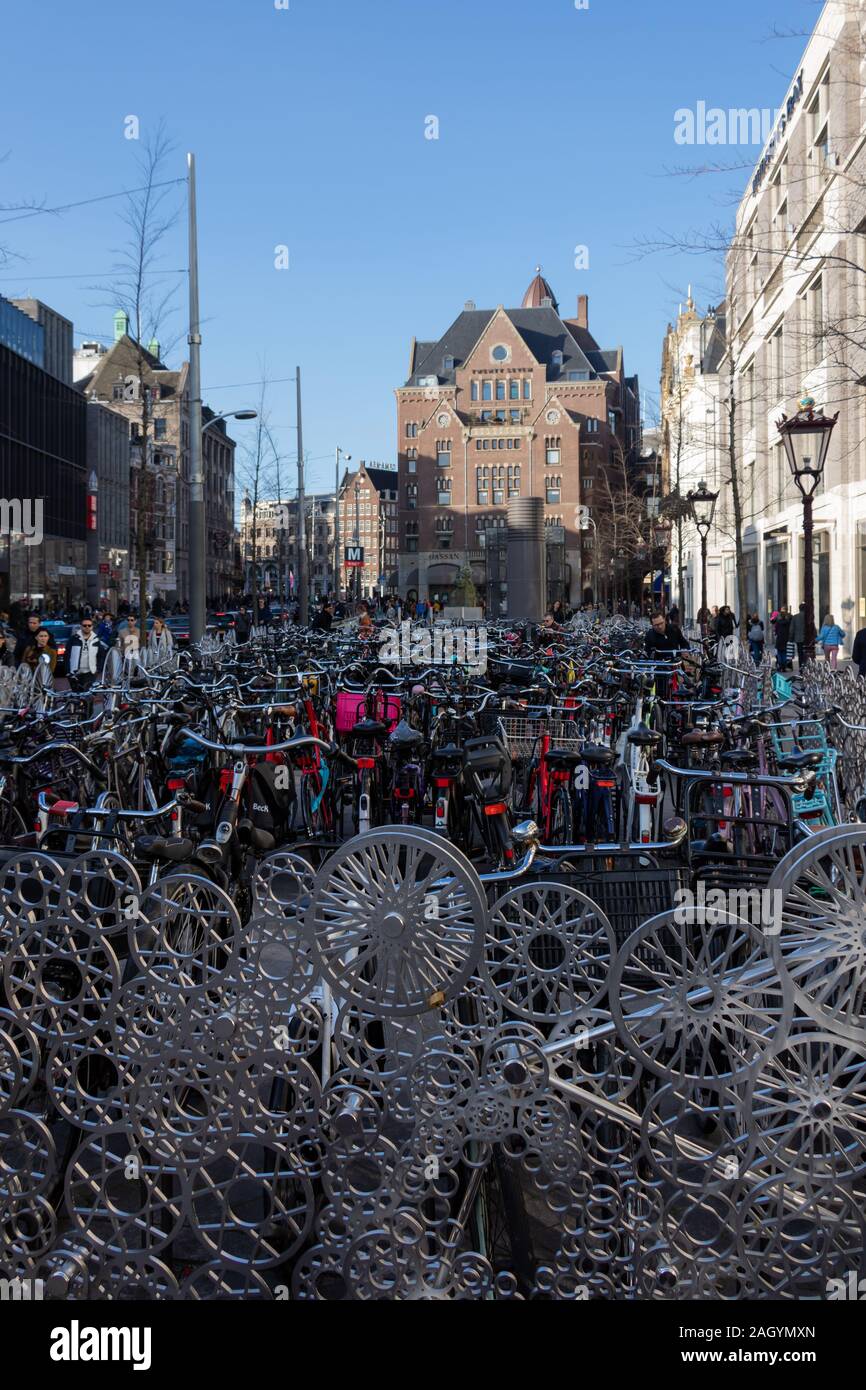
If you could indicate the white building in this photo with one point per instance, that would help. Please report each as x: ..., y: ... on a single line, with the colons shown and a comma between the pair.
x: 796, y: 299
x: 693, y: 381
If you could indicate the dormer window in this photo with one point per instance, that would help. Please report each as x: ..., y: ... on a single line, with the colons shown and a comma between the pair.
x: 428, y: 381
x: 557, y: 358
x: 448, y: 364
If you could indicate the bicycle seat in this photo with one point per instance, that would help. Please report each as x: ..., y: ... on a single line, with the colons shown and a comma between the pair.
x: 702, y: 738
x: 404, y: 736
x: 799, y: 762
x: 159, y: 847
x: 643, y: 737
x: 594, y: 755
x: 739, y: 757
x: 370, y: 728
x: 563, y: 757
x: 446, y: 753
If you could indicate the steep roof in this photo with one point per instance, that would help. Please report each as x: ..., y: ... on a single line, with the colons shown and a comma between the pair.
x: 121, y: 357
x: 542, y: 330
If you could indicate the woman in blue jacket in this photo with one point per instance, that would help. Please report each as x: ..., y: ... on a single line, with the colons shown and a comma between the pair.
x: 831, y: 637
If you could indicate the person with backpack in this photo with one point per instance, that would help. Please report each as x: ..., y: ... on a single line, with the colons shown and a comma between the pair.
x: 756, y: 639
x: 831, y: 638
x: 782, y: 629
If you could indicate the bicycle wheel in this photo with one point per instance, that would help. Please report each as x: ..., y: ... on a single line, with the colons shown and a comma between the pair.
x: 562, y: 818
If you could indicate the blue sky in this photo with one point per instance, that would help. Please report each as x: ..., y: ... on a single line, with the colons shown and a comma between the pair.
x: 555, y: 130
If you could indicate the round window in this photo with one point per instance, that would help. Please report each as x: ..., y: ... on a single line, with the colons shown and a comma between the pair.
x: 500, y: 353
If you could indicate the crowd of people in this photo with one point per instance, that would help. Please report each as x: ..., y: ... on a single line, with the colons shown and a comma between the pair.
x: 94, y: 632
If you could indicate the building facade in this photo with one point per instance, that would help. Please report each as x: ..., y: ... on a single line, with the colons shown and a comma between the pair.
x: 796, y: 292
x: 57, y: 345
x: 507, y: 403
x: 369, y: 524
x: 108, y: 460
x: 159, y: 483
x: 693, y: 421
x: 273, y: 539
x: 218, y: 455
x: 43, y: 464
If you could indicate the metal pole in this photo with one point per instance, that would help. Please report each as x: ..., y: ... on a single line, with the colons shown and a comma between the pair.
x: 809, y: 582
x: 703, y: 582
x: 303, y: 594
x: 197, y: 517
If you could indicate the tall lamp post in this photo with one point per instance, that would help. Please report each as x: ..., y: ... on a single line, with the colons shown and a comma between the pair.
x: 806, y: 437
x: 198, y: 530
x: 703, y: 505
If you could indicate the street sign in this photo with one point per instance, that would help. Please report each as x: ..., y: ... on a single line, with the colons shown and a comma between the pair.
x: 104, y: 569
x: 354, y: 557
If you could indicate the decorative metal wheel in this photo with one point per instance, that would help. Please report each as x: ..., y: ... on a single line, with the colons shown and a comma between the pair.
x: 120, y: 1196
x: 283, y: 884
x: 548, y: 951
x: 101, y: 889
x: 251, y: 1205
x: 31, y: 886
x: 61, y: 979
x: 699, y: 1004
x: 19, y: 1060
x: 807, y: 1108
x: 796, y: 1238
x: 185, y: 935
x: 397, y: 920
x: 820, y: 939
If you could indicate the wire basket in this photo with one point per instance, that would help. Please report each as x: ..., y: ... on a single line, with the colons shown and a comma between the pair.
x: 523, y: 734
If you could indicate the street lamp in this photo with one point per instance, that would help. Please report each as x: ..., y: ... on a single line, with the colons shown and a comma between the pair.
x: 806, y: 437
x: 198, y: 531
x: 703, y: 505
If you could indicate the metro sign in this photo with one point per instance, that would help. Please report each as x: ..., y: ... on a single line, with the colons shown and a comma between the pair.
x: 354, y: 557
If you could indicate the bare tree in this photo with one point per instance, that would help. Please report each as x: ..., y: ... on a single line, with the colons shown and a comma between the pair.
x: 148, y: 217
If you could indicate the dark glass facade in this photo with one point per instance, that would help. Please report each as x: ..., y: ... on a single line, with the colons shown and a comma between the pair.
x: 43, y: 454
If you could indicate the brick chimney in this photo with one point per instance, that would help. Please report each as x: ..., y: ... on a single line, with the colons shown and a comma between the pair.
x: 583, y: 311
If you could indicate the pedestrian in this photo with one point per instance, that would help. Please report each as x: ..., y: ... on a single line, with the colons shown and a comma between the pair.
x: 831, y: 638
x: 756, y: 639
x: 129, y: 638
x: 27, y: 636
x: 105, y: 629
x: 798, y: 634
x: 858, y: 652
x: 782, y: 631
x: 86, y: 656
x: 39, y: 647
x: 160, y: 642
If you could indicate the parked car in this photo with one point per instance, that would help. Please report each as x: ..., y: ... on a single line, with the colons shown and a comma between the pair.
x: 222, y: 620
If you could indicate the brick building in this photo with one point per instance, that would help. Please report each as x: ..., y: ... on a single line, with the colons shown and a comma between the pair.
x: 369, y: 512
x: 507, y: 403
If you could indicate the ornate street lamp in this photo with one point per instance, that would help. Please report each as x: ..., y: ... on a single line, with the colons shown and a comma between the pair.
x: 806, y: 437
x: 703, y: 505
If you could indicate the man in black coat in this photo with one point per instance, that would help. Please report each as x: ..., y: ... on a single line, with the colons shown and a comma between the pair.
x: 858, y: 655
